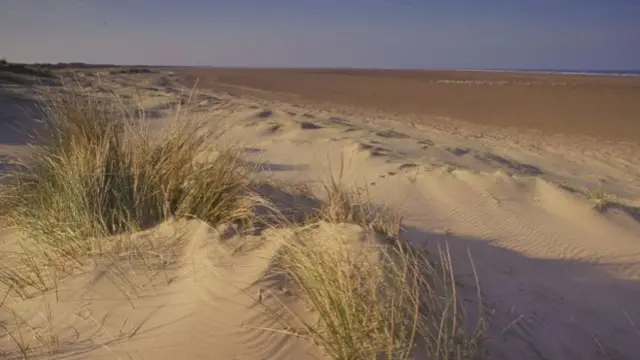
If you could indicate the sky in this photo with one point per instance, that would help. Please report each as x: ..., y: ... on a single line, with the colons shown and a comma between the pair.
x: 477, y: 34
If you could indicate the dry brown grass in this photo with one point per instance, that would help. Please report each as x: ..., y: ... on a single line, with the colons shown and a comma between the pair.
x: 352, y: 204
x: 101, y: 171
x: 377, y: 298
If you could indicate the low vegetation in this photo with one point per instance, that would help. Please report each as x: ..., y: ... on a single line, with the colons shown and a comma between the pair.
x: 354, y: 205
x: 101, y: 171
x: 23, y: 69
x: 381, y: 298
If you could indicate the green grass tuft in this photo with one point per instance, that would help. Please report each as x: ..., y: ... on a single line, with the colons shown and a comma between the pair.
x: 101, y: 171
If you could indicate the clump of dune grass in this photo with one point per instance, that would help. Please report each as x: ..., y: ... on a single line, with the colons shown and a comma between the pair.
x: 100, y: 170
x: 381, y: 297
x: 378, y: 299
x: 350, y: 204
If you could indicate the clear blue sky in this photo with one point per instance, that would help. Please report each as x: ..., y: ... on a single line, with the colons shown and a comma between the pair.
x: 559, y: 34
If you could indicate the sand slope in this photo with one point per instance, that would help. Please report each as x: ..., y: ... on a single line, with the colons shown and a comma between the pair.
x: 553, y: 230
x: 210, y: 301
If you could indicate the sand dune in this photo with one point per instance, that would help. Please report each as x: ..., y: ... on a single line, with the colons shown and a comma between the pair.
x: 206, y: 304
x: 553, y: 230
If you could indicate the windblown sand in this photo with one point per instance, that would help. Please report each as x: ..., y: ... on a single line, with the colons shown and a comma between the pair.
x: 552, y: 222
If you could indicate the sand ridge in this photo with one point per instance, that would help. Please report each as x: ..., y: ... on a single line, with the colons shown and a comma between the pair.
x: 552, y: 230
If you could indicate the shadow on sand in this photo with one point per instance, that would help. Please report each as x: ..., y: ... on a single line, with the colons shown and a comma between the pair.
x: 18, y: 118
x: 544, y: 308
x: 535, y: 308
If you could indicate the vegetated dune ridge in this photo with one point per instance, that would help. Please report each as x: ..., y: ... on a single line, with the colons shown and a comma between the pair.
x: 553, y: 230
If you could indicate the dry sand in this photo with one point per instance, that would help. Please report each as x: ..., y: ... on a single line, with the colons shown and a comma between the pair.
x: 603, y: 106
x: 552, y: 222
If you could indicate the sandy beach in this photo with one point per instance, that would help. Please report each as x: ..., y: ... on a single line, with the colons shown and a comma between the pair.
x: 605, y: 107
x: 531, y: 181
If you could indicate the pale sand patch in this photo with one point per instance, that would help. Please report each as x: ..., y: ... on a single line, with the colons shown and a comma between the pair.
x: 204, y: 304
x: 560, y: 276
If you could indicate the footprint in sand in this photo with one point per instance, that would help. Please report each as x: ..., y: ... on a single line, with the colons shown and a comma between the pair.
x: 264, y: 114
x: 513, y: 165
x: 459, y: 151
x: 279, y: 127
x: 389, y: 173
x: 305, y: 125
x: 426, y: 144
x: 273, y: 128
x: 252, y: 150
x: 374, y: 150
x: 340, y: 121
x: 392, y: 134
x: 407, y: 166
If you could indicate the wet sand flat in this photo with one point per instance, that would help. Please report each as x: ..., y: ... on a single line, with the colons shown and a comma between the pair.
x: 605, y: 107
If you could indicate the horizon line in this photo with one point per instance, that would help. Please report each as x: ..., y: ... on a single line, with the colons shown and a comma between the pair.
x: 506, y: 69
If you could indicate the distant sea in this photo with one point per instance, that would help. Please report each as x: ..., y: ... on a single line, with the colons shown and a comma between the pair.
x: 530, y: 71
x: 568, y: 71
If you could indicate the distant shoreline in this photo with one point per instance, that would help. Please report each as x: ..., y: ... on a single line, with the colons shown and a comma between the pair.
x: 555, y: 72
x: 633, y: 73
x: 593, y: 72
